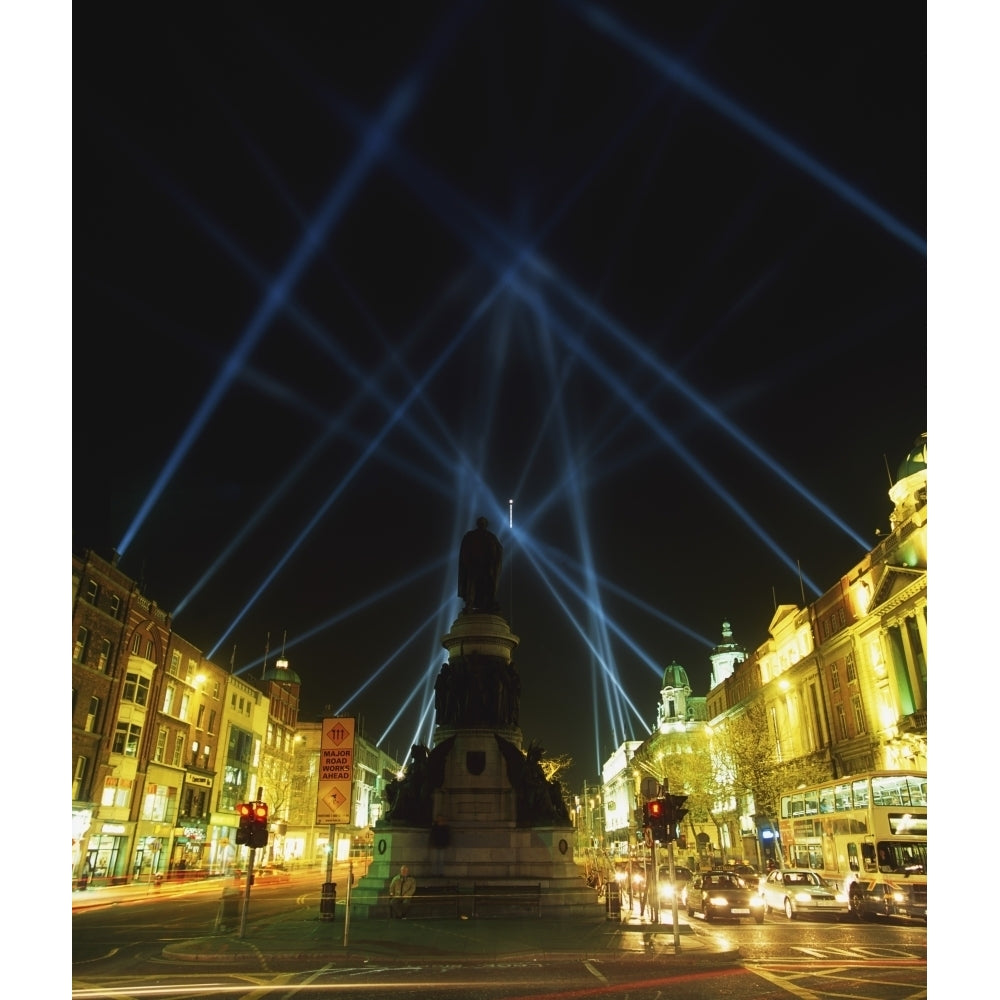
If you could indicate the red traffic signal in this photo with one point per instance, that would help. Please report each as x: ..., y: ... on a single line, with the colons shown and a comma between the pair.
x: 244, y: 830
x: 259, y: 812
x: 656, y: 809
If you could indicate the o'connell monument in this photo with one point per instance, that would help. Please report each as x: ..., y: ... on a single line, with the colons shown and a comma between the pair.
x: 474, y: 818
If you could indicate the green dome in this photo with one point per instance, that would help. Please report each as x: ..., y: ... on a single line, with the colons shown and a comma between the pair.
x: 916, y: 460
x: 675, y: 676
x: 283, y: 674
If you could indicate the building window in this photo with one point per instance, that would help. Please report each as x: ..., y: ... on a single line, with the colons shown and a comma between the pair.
x: 859, y: 714
x: 127, y: 739
x: 114, y: 603
x: 80, y: 646
x: 185, y: 699
x: 201, y: 717
x: 211, y: 721
x: 92, y: 713
x: 841, y: 722
x: 168, y: 699
x: 117, y: 792
x: 161, y: 745
x: 150, y: 650
x: 175, y: 664
x: 79, y: 773
x: 136, y: 644
x: 852, y: 673
x: 92, y: 591
x: 835, y: 675
x: 105, y: 654
x: 136, y: 689
x: 156, y: 804
x: 178, y: 750
x: 215, y: 690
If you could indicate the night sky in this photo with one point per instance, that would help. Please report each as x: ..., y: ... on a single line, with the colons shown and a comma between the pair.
x: 343, y: 283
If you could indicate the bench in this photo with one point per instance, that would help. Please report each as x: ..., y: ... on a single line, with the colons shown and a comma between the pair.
x: 505, y: 899
x: 435, y: 900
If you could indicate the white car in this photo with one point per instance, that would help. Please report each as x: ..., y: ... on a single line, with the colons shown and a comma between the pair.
x: 801, y: 890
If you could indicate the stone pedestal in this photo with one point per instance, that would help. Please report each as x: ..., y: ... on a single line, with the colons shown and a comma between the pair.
x: 486, y: 796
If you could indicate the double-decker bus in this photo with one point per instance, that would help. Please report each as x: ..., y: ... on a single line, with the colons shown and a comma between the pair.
x: 868, y: 834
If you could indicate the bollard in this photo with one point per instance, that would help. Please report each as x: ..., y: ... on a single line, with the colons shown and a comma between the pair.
x: 612, y: 900
x: 327, y: 900
x: 229, y: 909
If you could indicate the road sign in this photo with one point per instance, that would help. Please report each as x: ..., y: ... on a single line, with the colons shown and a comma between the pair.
x: 336, y: 772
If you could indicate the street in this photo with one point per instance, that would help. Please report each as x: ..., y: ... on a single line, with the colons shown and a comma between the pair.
x: 118, y: 950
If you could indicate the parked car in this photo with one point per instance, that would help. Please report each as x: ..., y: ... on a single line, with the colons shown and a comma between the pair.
x: 801, y: 890
x: 722, y: 894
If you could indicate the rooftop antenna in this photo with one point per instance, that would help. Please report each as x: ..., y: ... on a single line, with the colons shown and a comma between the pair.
x: 802, y: 589
x: 774, y: 597
x: 232, y: 660
x: 267, y: 649
x: 887, y: 470
x: 510, y: 561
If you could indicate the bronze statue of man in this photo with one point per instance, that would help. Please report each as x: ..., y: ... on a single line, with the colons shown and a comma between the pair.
x: 479, y: 561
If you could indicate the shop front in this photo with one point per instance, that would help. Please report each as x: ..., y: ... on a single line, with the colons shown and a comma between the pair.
x: 106, y: 860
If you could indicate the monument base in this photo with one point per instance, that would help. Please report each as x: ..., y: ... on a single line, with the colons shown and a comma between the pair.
x: 478, y: 859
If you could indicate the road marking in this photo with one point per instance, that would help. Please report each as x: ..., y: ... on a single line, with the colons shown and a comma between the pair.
x: 784, y: 984
x: 589, y: 966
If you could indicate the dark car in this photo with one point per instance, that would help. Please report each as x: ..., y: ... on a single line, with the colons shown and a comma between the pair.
x: 892, y: 896
x: 722, y: 894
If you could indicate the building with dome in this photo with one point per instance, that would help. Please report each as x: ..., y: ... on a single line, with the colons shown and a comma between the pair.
x: 838, y: 687
x: 726, y: 656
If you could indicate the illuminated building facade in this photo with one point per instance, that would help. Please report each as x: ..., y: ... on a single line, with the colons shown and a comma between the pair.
x: 240, y: 739
x: 838, y: 687
x: 101, y: 599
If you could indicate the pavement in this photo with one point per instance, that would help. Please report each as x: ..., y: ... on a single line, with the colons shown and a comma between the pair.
x: 303, y: 934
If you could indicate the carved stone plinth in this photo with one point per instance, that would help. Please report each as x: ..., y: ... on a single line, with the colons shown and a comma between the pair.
x: 498, y: 820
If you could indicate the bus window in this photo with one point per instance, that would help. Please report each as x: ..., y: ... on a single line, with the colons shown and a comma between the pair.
x: 868, y: 857
x: 860, y: 789
x: 826, y: 803
x: 852, y: 857
x: 917, y: 788
x: 889, y: 790
x: 812, y: 802
x: 797, y: 805
x: 842, y: 796
x: 786, y: 806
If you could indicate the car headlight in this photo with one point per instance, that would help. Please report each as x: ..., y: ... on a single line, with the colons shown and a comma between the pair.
x: 898, y: 897
x: 666, y: 891
x: 718, y: 901
x: 619, y: 876
x: 756, y: 901
x: 802, y: 897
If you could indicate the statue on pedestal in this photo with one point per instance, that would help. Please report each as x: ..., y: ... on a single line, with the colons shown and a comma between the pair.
x: 479, y: 562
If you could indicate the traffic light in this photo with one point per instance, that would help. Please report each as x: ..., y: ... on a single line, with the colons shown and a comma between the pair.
x: 657, y: 819
x: 245, y: 829
x: 258, y: 830
x: 677, y: 814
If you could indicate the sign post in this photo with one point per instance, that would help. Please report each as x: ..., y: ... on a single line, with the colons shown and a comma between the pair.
x: 335, y: 790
